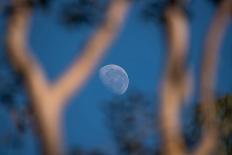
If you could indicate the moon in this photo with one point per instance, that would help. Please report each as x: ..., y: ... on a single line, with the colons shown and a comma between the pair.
x: 114, y: 78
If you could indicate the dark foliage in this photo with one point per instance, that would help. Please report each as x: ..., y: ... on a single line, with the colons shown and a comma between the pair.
x: 224, y: 116
x: 44, y: 4
x: 6, y: 8
x: 131, y: 121
x: 84, y: 12
x: 79, y: 151
x: 216, y: 2
x: 14, y: 101
x: 154, y: 10
x: 11, y: 83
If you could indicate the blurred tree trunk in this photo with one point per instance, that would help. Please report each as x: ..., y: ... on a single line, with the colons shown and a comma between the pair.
x: 175, y: 85
x: 48, y: 99
x: 208, y: 77
x: 177, y: 81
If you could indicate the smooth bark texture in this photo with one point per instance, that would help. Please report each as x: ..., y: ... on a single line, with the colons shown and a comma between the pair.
x: 93, y: 51
x: 175, y: 81
x: 208, y: 77
x: 48, y: 99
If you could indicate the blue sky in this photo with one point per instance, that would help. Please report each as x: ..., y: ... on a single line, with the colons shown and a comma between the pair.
x: 137, y: 49
x: 140, y: 49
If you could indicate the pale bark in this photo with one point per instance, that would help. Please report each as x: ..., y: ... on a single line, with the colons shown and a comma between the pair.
x: 176, y: 82
x: 208, y: 77
x: 79, y: 72
x: 47, y: 99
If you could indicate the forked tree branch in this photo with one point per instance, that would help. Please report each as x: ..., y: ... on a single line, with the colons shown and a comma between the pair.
x: 45, y: 112
x: 208, y: 75
x: 48, y: 100
x: 175, y: 82
x: 74, y: 78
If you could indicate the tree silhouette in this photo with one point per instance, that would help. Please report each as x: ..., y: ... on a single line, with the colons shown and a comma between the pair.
x: 126, y: 119
x: 224, y: 117
x: 131, y: 121
x: 79, y: 151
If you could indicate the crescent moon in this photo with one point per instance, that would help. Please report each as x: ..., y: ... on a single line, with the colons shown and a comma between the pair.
x: 114, y: 78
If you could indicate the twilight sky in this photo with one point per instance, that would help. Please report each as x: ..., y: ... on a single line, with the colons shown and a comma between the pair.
x: 140, y: 49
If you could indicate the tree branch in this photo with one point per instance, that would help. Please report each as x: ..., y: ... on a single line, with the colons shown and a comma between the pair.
x: 209, y: 67
x: 16, y: 42
x: 79, y: 72
x: 47, y: 101
x: 175, y: 82
x: 47, y: 115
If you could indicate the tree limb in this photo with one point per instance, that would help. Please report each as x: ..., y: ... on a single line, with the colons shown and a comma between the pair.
x: 74, y: 78
x: 175, y: 82
x: 47, y: 115
x: 48, y: 100
x: 209, y: 67
x: 18, y: 52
